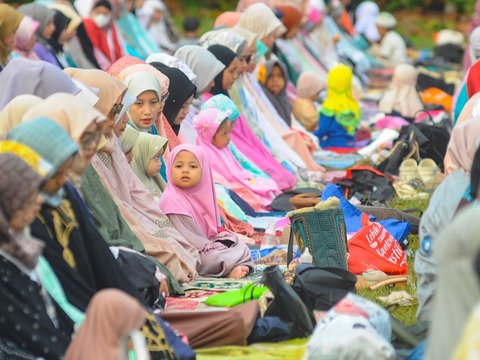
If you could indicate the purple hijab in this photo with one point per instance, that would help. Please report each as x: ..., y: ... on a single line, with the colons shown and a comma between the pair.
x: 22, y: 76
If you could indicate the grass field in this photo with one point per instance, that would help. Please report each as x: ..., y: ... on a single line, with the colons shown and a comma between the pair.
x: 405, y: 314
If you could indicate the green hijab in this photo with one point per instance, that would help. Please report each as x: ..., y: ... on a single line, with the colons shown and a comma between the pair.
x: 146, y: 147
x: 48, y: 139
x: 129, y: 138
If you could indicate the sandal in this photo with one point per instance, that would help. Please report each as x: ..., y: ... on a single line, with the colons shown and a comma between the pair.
x: 408, y: 170
x: 428, y: 171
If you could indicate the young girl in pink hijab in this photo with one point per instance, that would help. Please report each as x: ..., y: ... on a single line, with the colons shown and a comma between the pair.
x: 214, y: 129
x: 190, y: 202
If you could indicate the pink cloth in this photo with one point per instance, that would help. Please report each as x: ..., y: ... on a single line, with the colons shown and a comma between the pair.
x: 224, y: 163
x: 227, y: 19
x: 245, y: 141
x: 198, y: 202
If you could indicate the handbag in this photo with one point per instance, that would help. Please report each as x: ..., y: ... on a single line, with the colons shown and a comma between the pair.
x: 323, y: 232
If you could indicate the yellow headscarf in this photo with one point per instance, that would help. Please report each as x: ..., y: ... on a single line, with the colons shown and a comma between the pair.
x: 10, y: 19
x: 36, y: 162
x: 339, y: 101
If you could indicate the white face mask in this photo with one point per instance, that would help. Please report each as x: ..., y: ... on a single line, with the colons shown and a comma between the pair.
x: 101, y: 20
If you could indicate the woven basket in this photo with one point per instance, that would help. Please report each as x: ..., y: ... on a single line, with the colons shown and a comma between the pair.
x: 324, y: 233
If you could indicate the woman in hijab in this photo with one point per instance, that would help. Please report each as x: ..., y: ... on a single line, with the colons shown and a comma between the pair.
x: 45, y: 17
x: 261, y: 20
x: 457, y: 288
x: 152, y: 17
x: 65, y: 30
x: 26, y: 38
x: 402, y: 98
x: 103, y: 34
x: 202, y: 63
x: 181, y: 93
x: 38, y: 78
x: 46, y: 332
x: 79, y: 48
x: 10, y: 20
x: 144, y: 217
x: 442, y: 208
x: 12, y: 114
x: 101, y: 334
x: 146, y: 90
x: 366, y: 14
x: 19, y: 253
x: 225, y: 80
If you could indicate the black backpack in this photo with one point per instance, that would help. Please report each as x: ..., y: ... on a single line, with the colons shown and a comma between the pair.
x: 322, y: 288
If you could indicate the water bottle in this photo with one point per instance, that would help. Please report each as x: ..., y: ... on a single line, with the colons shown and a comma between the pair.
x: 269, y: 239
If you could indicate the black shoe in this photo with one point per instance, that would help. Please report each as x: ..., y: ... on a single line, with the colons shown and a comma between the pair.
x: 287, y: 305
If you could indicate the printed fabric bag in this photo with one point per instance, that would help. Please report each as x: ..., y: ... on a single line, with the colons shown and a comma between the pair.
x: 374, y: 248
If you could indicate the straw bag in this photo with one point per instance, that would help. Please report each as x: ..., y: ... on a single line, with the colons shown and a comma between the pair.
x: 324, y: 233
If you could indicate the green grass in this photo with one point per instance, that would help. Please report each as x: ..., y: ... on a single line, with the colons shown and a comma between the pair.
x: 406, y: 314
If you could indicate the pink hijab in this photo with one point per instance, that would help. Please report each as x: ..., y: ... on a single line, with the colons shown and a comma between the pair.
x: 226, y: 168
x: 198, y: 202
x: 122, y: 64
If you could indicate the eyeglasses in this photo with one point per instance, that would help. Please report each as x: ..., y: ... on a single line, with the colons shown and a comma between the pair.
x: 164, y: 97
x: 116, y: 110
x: 90, y: 139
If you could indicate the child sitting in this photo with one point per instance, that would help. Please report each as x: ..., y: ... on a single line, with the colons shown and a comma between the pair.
x: 190, y: 202
x: 127, y: 142
x: 273, y: 77
x: 340, y: 113
x: 305, y: 110
x: 214, y: 128
x: 146, y: 162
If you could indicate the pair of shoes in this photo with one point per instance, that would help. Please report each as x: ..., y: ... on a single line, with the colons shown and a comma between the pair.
x: 286, y: 304
x: 426, y: 171
x: 413, y: 190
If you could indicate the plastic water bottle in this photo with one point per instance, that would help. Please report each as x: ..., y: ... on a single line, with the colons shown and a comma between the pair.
x: 269, y: 239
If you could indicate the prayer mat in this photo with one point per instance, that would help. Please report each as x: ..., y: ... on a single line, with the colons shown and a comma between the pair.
x: 191, y: 301
x: 332, y: 160
x: 286, y: 350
